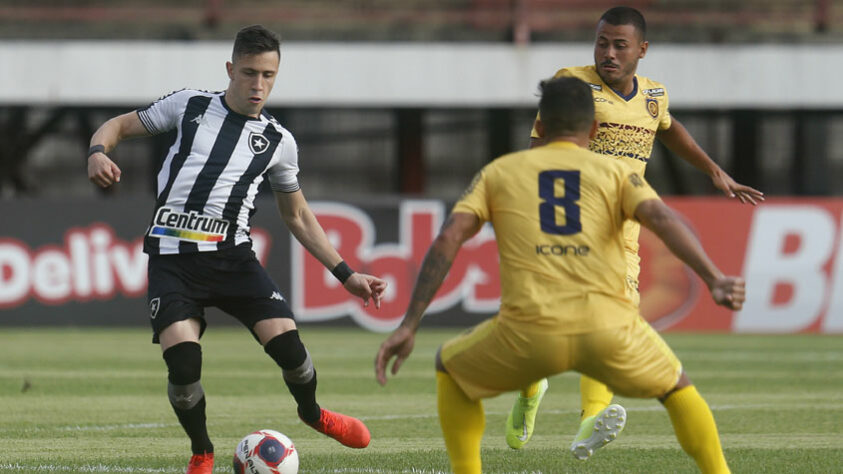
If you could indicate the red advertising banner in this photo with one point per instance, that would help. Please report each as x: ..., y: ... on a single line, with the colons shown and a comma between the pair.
x: 788, y: 250
x: 71, y: 265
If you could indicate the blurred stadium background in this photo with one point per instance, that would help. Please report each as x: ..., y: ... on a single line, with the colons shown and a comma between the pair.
x: 395, y: 105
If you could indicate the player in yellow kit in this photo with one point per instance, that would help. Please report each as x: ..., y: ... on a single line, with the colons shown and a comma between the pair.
x: 558, y: 212
x: 631, y: 112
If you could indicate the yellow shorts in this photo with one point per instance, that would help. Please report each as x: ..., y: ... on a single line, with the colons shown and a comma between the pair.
x: 499, y: 355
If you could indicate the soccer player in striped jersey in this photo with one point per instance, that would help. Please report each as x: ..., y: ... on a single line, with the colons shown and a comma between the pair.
x: 631, y: 112
x: 198, y: 238
x: 558, y: 213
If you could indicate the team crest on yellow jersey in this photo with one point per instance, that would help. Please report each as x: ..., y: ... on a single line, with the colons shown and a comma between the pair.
x: 653, y: 107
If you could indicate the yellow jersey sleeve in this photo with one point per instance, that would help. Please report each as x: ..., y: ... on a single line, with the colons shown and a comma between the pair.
x: 665, y: 121
x: 474, y: 198
x: 634, y: 191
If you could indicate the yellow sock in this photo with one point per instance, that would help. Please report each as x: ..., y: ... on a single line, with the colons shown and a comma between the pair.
x: 530, y: 390
x: 594, y: 396
x: 463, y: 422
x: 695, y: 429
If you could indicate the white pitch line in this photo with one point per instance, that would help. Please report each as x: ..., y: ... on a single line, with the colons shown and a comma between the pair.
x: 632, y: 409
x: 141, y: 426
x: 145, y: 470
x: 88, y: 468
x: 129, y: 426
x: 144, y: 426
x: 379, y: 471
x: 750, y: 356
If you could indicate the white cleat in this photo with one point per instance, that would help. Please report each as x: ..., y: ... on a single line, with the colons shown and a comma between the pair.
x: 598, y: 431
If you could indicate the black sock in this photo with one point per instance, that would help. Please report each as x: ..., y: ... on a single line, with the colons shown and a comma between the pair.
x: 289, y: 353
x: 184, y: 363
x: 193, y: 422
x: 305, y: 395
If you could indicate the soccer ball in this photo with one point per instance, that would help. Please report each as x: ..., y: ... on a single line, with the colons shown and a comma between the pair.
x: 266, y: 452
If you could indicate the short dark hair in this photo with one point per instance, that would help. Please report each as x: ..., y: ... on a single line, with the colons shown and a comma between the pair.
x: 626, y: 16
x: 255, y: 39
x: 566, y: 106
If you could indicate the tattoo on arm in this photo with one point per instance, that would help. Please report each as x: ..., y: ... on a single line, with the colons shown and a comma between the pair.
x: 433, y: 271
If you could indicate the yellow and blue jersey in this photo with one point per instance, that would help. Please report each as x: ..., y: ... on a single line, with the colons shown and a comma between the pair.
x: 627, y: 127
x: 558, y: 212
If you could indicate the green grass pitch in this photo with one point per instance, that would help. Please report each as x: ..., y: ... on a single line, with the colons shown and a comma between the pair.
x: 94, y: 400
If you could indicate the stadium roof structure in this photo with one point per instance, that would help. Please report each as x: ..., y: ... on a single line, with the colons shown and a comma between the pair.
x: 765, y: 76
x: 520, y: 21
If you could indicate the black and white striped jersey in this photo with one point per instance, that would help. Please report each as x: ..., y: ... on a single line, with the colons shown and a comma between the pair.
x: 207, y: 184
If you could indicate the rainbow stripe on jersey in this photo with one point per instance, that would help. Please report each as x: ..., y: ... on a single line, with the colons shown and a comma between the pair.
x: 185, y: 235
x: 191, y: 226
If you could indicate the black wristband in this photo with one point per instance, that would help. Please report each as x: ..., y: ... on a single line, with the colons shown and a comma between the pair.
x: 342, y: 272
x: 95, y: 149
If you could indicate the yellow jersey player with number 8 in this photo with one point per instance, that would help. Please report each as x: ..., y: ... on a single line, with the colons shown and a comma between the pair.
x: 558, y: 213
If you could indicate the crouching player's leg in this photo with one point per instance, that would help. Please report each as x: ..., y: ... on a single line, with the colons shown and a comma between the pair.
x: 477, y: 365
x: 461, y: 415
x: 635, y: 361
x: 694, y: 426
x: 462, y: 421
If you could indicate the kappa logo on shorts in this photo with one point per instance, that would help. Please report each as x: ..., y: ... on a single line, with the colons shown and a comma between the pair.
x: 258, y: 143
x: 154, y: 305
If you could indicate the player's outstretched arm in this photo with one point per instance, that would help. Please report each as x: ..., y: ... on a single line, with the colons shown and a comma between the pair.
x: 366, y: 287
x: 728, y: 291
x: 303, y: 224
x: 679, y: 141
x: 101, y: 170
x: 459, y: 227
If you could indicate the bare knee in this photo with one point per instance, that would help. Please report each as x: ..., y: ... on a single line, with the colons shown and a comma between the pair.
x: 268, y: 329
x: 186, y: 330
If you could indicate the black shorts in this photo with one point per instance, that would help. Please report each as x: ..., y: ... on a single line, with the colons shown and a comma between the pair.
x: 181, y: 286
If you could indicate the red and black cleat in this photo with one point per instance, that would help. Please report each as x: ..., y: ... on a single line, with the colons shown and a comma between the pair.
x: 201, y: 464
x: 347, y: 430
